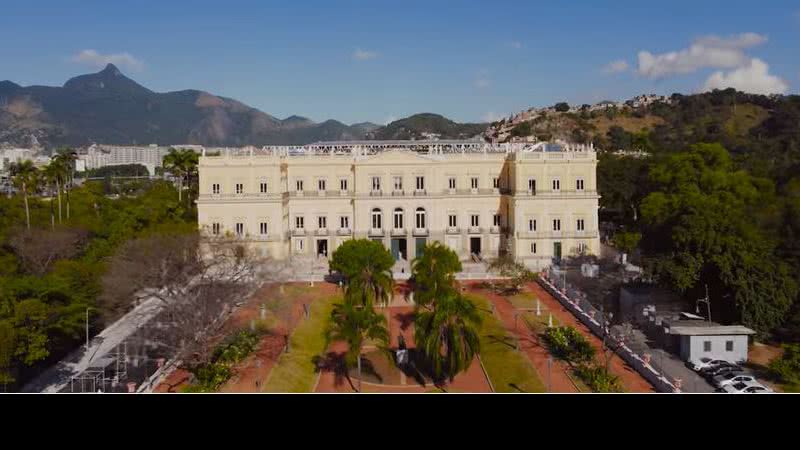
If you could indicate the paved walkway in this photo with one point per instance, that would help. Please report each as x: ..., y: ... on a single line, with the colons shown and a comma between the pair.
x: 631, y: 380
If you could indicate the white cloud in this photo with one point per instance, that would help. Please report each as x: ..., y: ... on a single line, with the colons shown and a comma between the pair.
x: 364, y: 55
x: 515, y: 44
x: 706, y: 52
x: 617, y: 66
x: 93, y: 58
x: 753, y: 78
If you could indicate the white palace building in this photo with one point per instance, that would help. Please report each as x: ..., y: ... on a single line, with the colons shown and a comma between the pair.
x: 537, y: 202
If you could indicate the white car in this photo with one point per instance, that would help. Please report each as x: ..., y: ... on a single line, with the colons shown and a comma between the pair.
x: 707, y: 363
x: 733, y: 377
x: 745, y: 388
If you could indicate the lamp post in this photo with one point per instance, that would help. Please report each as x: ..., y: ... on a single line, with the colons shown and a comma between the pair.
x: 87, y: 327
x: 705, y: 300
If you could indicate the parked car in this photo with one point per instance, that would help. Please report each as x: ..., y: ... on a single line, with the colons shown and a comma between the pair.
x: 721, y: 370
x: 706, y: 363
x: 733, y: 377
x: 745, y: 388
x: 723, y: 365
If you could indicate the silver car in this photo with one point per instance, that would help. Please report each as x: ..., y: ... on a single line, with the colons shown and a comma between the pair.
x: 732, y: 377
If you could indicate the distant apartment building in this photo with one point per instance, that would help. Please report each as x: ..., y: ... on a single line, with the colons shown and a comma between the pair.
x: 15, y: 155
x: 97, y: 156
x: 536, y: 202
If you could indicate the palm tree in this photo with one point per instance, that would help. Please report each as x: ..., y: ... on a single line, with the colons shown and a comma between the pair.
x: 52, y: 175
x: 183, y: 165
x: 66, y: 161
x: 25, y: 176
x: 434, y: 273
x: 367, y: 268
x: 448, y: 334
x: 354, y: 324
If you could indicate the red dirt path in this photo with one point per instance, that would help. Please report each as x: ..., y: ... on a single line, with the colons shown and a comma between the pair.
x: 530, y: 344
x: 399, y: 322
x: 631, y: 379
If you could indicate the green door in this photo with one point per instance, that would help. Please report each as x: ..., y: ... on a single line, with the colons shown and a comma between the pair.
x: 557, y: 252
x: 420, y: 246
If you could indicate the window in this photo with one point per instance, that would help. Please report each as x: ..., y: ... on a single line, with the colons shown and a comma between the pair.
x: 239, y: 229
x: 376, y: 183
x: 496, y: 220
x: 496, y: 183
x: 556, y: 184
x: 239, y: 188
x: 474, y: 182
x: 344, y: 222
x: 579, y: 184
x: 263, y: 228
x: 343, y: 184
x: 420, y: 183
x: 420, y: 218
x: 728, y: 346
x: 452, y: 221
x: 299, y: 245
x: 299, y: 222
x: 321, y: 184
x: 533, y: 248
x: 474, y: 220
x: 322, y: 222
x: 376, y: 219
x: 580, y: 225
x: 556, y: 224
x: 398, y: 183
x: 299, y: 185
x: 263, y: 187
x: 215, y: 188
x: 531, y: 186
x: 706, y: 346
x: 398, y: 218
x: 451, y: 183
x: 215, y: 228
x: 531, y: 224
x: 582, y: 248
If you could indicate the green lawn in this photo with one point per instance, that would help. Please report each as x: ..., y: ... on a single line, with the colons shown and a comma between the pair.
x: 524, y: 300
x: 509, y: 370
x: 295, y: 371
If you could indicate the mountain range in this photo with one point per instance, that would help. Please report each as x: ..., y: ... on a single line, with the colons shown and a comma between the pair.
x: 109, y: 108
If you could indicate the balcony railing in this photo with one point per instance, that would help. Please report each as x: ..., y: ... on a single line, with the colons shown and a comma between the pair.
x: 344, y: 231
x: 321, y: 232
x: 420, y: 232
x: 495, y: 229
x: 398, y: 232
x: 376, y: 193
x: 376, y: 232
x: 420, y: 192
x: 452, y: 230
x: 474, y: 230
x: 299, y: 232
x: 398, y: 193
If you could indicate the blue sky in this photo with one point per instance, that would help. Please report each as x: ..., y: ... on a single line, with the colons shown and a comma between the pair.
x: 379, y: 60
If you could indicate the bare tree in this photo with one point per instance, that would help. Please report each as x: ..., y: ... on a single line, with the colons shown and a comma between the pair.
x: 196, y: 282
x: 38, y: 248
x: 613, y: 339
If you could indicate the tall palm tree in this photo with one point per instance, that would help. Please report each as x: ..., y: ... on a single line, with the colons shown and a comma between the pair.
x: 434, y: 273
x: 448, y: 334
x: 52, y: 176
x: 183, y: 165
x: 354, y: 324
x: 66, y: 160
x: 25, y: 176
x: 367, y: 268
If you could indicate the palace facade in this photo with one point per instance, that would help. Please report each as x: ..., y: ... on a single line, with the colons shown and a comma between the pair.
x: 537, y: 202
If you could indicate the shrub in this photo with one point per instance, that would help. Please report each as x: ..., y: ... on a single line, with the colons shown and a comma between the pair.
x: 236, y: 348
x: 598, y: 378
x: 569, y: 344
x: 787, y: 367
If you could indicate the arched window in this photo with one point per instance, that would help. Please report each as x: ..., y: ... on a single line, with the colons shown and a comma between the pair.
x: 398, y: 218
x: 376, y: 219
x: 420, y: 218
